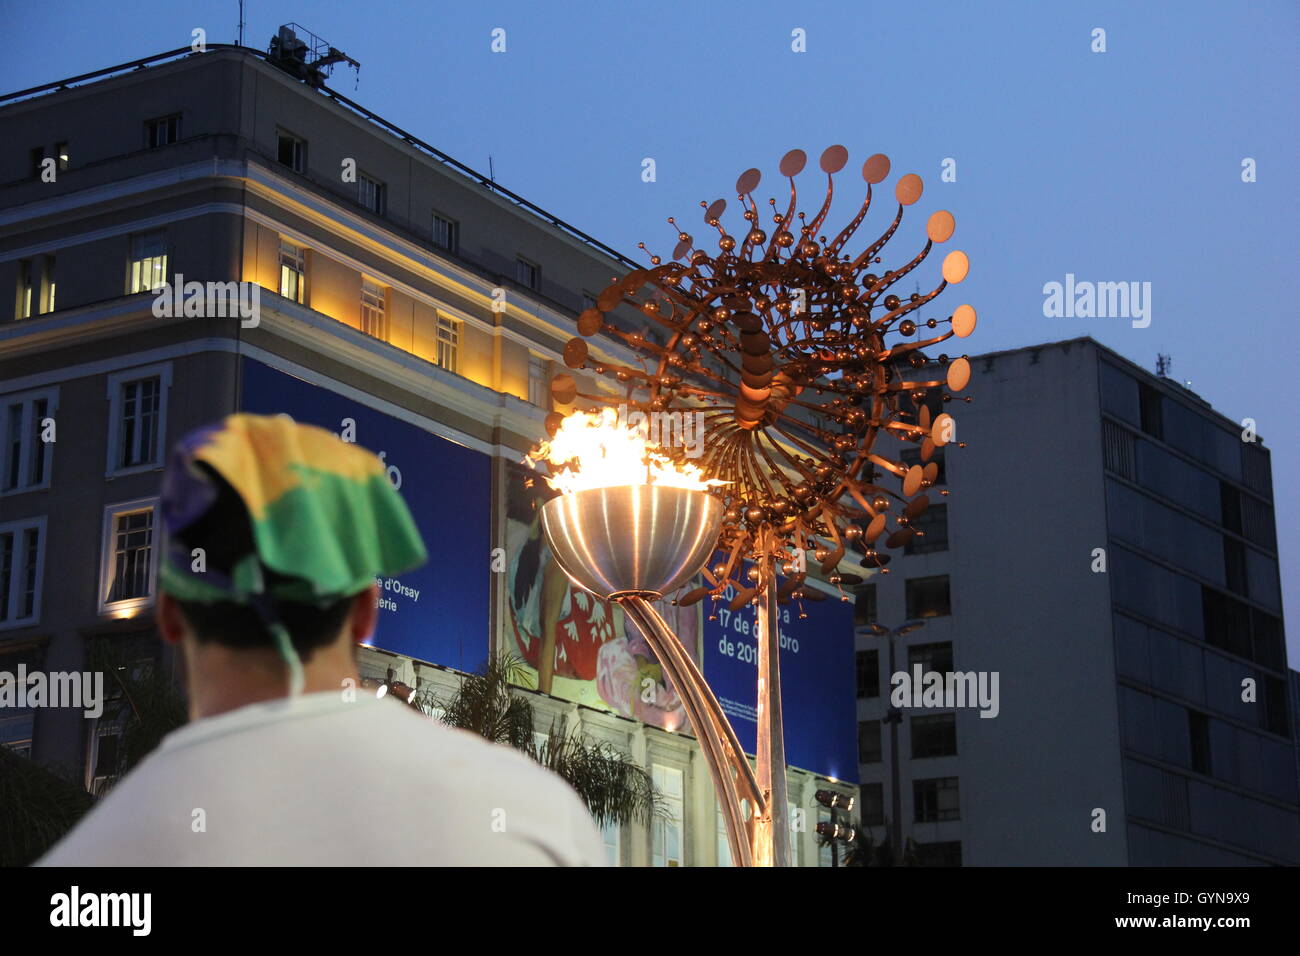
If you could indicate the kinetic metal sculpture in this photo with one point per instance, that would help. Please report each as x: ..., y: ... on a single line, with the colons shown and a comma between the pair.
x: 797, y: 354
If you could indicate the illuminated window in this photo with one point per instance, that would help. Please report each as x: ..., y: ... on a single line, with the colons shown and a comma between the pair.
x: 538, y: 391
x: 448, y: 354
x: 61, y: 152
x: 148, y: 266
x: 25, y: 454
x: 667, y: 831
x: 129, y: 569
x: 374, y: 316
x: 293, y: 271
x: 22, y: 559
x: 23, y: 306
x: 47, y: 287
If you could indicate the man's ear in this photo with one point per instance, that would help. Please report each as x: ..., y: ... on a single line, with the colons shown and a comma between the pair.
x: 171, y: 624
x: 365, y: 612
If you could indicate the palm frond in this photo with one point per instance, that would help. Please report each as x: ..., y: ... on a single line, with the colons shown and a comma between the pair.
x: 38, y: 805
x: 614, y: 789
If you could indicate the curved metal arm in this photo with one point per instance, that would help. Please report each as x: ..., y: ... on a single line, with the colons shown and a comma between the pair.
x: 733, y: 779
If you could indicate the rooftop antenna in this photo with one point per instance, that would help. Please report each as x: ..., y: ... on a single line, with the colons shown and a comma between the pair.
x: 1164, y: 363
x: 303, y: 55
x: 492, y: 173
x: 240, y: 41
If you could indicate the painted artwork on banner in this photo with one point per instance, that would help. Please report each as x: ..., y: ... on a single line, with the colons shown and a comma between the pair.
x: 438, y: 612
x: 818, y: 681
x: 576, y: 646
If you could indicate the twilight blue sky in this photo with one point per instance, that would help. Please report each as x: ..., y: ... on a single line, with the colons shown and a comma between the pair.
x: 1115, y: 166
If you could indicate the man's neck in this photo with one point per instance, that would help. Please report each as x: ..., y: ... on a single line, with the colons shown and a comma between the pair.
x: 222, y: 679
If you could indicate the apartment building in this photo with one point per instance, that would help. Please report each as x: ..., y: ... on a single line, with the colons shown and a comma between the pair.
x: 1109, y: 551
x: 385, y: 288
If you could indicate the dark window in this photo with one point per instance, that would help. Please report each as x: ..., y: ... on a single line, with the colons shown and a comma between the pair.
x: 1198, y: 727
x: 1234, y: 565
x: 869, y: 741
x: 1226, y: 621
x: 1119, y: 447
x: 864, y: 606
x: 868, y: 673
x: 372, y: 194
x: 1152, y: 411
x: 588, y: 300
x: 928, y: 597
x: 446, y: 233
x: 293, y: 152
x: 947, y: 853
x: 933, y: 527
x: 934, y: 800
x: 934, y: 735
x: 1266, y: 633
x: 528, y: 274
x: 38, y: 157
x: 911, y: 455
x: 1230, y: 506
x: 932, y: 657
x: 873, y: 804
x: 163, y: 131
x: 1275, y: 705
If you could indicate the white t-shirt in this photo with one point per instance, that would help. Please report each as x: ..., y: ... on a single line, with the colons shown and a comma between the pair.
x: 319, y: 781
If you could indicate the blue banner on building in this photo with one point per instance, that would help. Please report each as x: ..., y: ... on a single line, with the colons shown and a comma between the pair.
x: 439, y: 612
x: 818, y: 681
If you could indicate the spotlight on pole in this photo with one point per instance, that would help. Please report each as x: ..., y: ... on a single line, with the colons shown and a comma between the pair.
x: 834, y: 800
x: 837, y: 831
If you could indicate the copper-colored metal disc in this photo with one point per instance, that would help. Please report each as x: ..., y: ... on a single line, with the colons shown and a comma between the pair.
x: 575, y: 353
x: 748, y: 181
x: 958, y: 374
x: 909, y: 189
x: 563, y: 388
x: 793, y: 162
x: 833, y: 159
x: 912, y: 481
x: 940, y: 226
x: 876, y: 168
x: 955, y: 266
x: 963, y: 321
x: 590, y: 322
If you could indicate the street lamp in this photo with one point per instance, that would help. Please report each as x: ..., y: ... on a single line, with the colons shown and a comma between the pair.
x: 894, y: 717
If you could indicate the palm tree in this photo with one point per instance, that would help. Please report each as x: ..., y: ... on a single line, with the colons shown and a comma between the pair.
x: 38, y: 805
x: 614, y: 789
